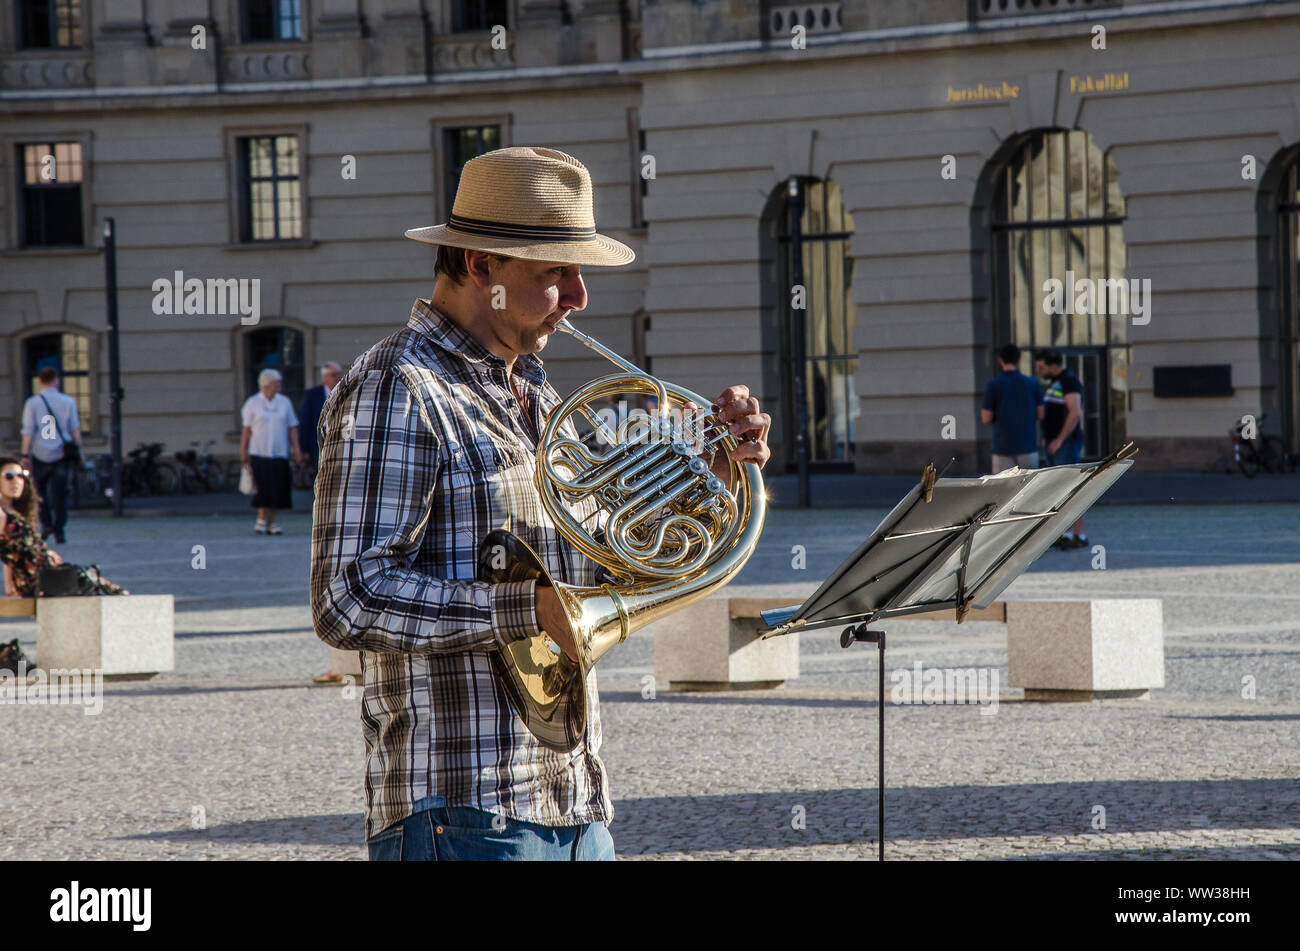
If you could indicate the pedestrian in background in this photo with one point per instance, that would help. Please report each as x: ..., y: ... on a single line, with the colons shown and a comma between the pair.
x: 312, y: 402
x: 270, y: 433
x: 1013, y: 404
x: 22, y: 554
x: 50, y: 423
x: 1062, y: 425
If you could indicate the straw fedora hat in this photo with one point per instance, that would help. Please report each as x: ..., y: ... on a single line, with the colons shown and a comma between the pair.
x: 528, y: 203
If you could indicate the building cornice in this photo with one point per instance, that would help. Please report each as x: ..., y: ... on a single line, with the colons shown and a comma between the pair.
x: 1173, y: 14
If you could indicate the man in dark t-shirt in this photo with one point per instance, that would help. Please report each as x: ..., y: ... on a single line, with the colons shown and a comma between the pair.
x: 1062, y: 425
x: 1012, y: 404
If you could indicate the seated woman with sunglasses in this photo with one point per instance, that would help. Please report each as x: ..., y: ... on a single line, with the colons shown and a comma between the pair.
x: 21, y: 548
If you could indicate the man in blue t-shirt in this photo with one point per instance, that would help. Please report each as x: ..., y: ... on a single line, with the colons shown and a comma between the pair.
x: 1013, y: 403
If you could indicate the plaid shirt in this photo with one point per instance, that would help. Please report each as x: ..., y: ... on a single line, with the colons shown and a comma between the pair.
x: 423, y: 450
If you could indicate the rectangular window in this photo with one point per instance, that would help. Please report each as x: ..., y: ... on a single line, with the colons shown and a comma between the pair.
x: 469, y: 15
x: 266, y: 20
x: 49, y: 185
x: 49, y: 24
x: 270, y: 188
x: 461, y: 145
x: 69, y: 354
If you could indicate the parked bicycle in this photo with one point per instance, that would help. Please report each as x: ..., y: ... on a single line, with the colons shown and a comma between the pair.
x: 143, y: 474
x: 1264, y: 453
x: 92, y: 481
x: 199, y: 471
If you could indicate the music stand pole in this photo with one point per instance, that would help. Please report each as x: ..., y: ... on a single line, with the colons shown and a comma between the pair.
x: 860, y: 633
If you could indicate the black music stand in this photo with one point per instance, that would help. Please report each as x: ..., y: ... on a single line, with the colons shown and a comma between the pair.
x: 950, y: 543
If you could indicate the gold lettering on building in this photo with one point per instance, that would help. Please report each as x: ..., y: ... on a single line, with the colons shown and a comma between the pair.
x: 983, y: 93
x: 1107, y: 82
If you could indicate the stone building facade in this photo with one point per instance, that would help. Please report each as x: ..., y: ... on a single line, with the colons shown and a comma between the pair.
x: 937, y: 164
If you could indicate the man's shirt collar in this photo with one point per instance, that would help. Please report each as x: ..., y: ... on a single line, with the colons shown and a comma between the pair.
x: 449, y: 335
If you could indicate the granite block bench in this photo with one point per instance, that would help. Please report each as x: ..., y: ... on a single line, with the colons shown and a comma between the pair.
x: 1056, y: 650
x: 127, y: 636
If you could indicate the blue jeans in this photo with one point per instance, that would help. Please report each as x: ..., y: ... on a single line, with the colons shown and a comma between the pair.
x: 51, y: 480
x: 436, y: 832
x: 1066, y: 455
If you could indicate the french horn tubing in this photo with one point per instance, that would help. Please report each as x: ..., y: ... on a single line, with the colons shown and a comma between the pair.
x: 675, y: 532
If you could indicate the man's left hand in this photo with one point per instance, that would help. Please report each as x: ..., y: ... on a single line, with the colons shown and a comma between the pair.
x: 748, y: 423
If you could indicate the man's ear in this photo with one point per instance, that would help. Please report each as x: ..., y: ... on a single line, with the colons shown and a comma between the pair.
x: 478, y: 266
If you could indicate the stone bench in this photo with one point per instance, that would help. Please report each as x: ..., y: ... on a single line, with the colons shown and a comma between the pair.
x: 714, y: 645
x: 17, y: 607
x: 1084, y: 650
x: 126, y: 636
x: 1056, y: 650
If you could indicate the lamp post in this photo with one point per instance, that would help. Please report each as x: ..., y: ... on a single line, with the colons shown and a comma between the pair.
x: 800, y: 352
x: 114, y: 364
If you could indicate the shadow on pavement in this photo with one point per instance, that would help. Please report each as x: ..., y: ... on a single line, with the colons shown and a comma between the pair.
x: 716, y: 697
x: 649, y: 826
x: 335, y: 829
x: 1287, y: 851
x: 1244, y: 717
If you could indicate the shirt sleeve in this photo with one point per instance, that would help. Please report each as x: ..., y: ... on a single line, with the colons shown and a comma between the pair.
x: 990, y: 396
x: 379, y: 464
x: 288, y: 408
x: 1037, y: 391
x: 29, y: 418
x: 74, y: 421
x: 248, y: 415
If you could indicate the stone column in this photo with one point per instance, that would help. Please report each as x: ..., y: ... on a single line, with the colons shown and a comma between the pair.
x: 540, y: 38
x: 191, y: 42
x: 338, y: 46
x: 121, y: 44
x: 400, y: 40
x: 602, y: 31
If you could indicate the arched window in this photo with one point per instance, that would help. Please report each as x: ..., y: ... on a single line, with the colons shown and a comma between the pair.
x: 829, y: 317
x: 69, y: 354
x: 1288, y: 327
x: 1058, y: 213
x: 275, y: 348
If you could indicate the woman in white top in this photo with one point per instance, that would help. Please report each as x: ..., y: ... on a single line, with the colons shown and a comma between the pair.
x: 270, y: 431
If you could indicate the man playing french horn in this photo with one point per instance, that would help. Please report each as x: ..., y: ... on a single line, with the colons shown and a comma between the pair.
x: 428, y: 445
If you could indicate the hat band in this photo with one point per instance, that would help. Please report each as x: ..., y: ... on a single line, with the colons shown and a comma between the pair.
x: 505, y: 229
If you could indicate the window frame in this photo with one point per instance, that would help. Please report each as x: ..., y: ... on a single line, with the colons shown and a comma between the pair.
x: 638, y: 187
x: 237, y: 195
x: 441, y: 170
x: 247, y: 373
x: 239, y: 14
x: 824, y: 242
x: 89, y: 415
x: 1286, y: 202
x: 11, y: 192
x: 1115, y: 350
x: 16, y: 23
x: 454, y: 17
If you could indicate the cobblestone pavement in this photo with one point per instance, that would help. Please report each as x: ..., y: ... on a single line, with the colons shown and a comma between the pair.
x: 236, y: 739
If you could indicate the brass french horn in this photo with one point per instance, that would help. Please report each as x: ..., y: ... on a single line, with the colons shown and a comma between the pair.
x: 674, y: 534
